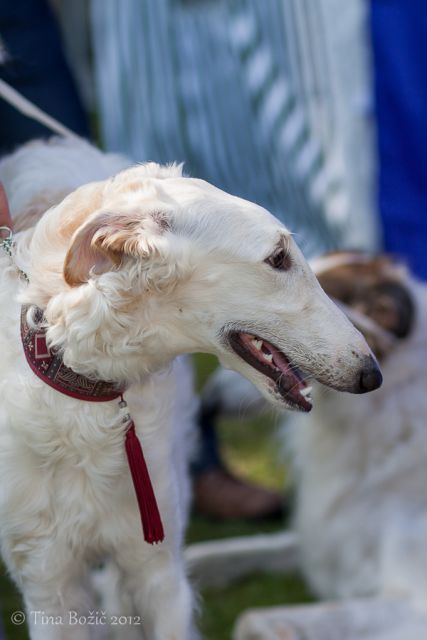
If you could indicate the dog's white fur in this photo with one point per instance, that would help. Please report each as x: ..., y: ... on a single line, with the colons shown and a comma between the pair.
x: 132, y: 272
x: 362, y: 477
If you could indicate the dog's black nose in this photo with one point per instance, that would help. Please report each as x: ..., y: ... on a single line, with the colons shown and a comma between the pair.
x: 370, y: 377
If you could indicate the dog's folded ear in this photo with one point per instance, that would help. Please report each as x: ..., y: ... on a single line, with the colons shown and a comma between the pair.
x: 103, y: 241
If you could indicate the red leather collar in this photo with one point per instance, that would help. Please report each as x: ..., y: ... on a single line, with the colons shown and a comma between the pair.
x: 48, y: 365
x: 5, y: 219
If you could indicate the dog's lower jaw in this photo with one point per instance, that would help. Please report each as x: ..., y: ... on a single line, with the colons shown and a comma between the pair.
x: 285, y: 381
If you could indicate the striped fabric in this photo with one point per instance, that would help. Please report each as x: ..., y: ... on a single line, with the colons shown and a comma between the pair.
x: 250, y: 95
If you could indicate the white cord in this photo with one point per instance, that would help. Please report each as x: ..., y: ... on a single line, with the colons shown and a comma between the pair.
x: 30, y: 110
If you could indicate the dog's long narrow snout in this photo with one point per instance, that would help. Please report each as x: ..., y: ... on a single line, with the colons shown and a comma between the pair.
x: 370, y: 376
x: 347, y: 363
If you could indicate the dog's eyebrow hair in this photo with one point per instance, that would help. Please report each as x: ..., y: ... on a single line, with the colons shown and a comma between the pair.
x: 287, y: 240
x: 284, y: 241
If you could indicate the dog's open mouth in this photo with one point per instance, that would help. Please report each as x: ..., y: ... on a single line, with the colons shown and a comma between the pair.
x: 273, y: 363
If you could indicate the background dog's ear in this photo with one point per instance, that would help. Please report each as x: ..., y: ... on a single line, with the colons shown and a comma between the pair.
x: 102, y: 242
x: 390, y: 305
x: 375, y: 286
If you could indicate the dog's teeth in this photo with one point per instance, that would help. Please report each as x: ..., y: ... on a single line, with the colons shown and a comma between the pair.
x: 306, y: 391
x: 268, y: 357
x: 257, y: 344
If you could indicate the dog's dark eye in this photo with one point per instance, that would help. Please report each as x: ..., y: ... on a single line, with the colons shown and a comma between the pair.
x: 279, y: 259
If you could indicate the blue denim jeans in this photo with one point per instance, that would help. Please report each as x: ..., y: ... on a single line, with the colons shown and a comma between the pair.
x: 36, y: 67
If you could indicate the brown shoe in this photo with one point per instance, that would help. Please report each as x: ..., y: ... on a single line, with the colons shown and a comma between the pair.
x: 221, y: 496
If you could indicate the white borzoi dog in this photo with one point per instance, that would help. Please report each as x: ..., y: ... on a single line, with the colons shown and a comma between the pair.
x: 132, y: 271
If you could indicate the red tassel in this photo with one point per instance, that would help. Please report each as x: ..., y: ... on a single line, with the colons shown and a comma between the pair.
x: 150, y: 516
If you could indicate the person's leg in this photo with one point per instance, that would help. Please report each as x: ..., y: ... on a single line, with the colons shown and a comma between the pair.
x: 208, y: 455
x: 399, y: 36
x: 219, y: 494
x: 36, y: 67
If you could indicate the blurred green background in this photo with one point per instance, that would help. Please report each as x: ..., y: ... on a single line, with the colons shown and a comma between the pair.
x: 251, y: 449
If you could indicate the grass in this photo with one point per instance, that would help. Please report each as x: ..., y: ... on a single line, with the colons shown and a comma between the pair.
x: 10, y: 601
x: 252, y: 450
x: 221, y: 607
x: 250, y: 447
x: 201, y: 529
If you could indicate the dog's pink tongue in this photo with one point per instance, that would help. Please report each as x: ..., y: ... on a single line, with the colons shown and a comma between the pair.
x: 282, y: 363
